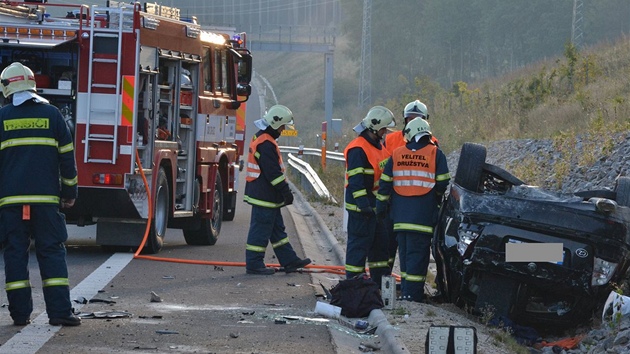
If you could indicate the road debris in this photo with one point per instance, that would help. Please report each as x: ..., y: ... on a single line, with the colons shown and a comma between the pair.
x: 155, y: 297
x: 82, y: 300
x: 105, y: 314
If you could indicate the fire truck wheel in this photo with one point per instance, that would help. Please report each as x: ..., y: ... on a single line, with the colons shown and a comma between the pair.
x: 228, y: 214
x: 159, y: 223
x: 206, y: 230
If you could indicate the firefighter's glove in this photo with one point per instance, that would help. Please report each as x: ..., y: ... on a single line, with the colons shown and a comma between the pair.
x: 367, y: 211
x: 287, y: 195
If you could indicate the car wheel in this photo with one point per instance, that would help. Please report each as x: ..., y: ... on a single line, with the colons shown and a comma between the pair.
x: 470, y: 166
x: 207, y: 230
x: 622, y: 188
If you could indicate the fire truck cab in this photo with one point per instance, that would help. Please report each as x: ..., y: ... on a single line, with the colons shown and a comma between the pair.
x: 156, y: 106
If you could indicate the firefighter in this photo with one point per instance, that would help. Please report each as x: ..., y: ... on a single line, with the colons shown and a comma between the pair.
x: 38, y: 175
x: 393, y: 140
x: 267, y: 191
x: 412, y: 110
x: 416, y: 177
x: 365, y: 158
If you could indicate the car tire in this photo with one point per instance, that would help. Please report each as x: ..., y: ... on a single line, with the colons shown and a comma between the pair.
x: 622, y: 190
x: 470, y: 166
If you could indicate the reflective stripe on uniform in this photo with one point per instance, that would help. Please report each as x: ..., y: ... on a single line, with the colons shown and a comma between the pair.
x: 413, y: 183
x: 282, y: 242
x: 253, y: 170
x: 414, y: 173
x: 28, y: 142
x: 70, y: 181
x: 413, y: 227
x: 255, y: 248
x: 381, y: 264
x: 354, y: 269
x: 29, y: 199
x: 359, y: 193
x: 55, y: 282
x: 356, y: 171
x: 382, y: 197
x: 353, y: 207
x: 262, y: 203
x: 443, y: 177
x: 20, y: 284
x: 278, y: 180
x: 66, y: 148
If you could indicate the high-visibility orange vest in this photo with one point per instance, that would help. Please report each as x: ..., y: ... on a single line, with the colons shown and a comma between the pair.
x: 253, y: 169
x: 414, y: 171
x: 394, y: 140
x: 377, y: 158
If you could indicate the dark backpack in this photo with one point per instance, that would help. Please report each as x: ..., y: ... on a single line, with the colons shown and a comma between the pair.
x: 357, y: 296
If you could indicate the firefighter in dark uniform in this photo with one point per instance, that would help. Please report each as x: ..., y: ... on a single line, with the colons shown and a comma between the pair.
x: 393, y: 140
x: 412, y: 110
x: 38, y: 175
x: 415, y: 178
x: 267, y: 191
x: 365, y: 159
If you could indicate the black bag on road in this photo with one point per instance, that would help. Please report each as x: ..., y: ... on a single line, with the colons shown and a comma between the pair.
x: 357, y: 296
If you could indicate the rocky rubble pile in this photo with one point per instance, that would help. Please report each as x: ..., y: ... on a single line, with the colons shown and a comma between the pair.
x: 543, y: 160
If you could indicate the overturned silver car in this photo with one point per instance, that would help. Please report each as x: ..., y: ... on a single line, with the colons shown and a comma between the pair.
x: 542, y: 260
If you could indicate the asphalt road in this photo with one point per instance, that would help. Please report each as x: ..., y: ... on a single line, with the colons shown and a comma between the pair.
x: 203, y: 308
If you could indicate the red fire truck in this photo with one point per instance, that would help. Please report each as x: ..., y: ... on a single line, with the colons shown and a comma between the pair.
x: 156, y: 105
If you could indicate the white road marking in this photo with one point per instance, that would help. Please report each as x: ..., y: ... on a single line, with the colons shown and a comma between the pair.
x: 33, y: 337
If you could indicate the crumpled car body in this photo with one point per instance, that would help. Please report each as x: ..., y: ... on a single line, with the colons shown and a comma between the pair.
x: 504, y: 248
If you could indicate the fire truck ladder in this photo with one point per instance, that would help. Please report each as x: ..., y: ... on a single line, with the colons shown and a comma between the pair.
x: 117, y: 23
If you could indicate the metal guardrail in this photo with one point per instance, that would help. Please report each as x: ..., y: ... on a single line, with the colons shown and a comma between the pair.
x: 330, y: 155
x: 307, y: 171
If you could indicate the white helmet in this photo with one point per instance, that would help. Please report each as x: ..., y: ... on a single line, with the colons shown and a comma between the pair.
x: 416, y: 109
x: 15, y: 78
x: 416, y: 127
x: 377, y: 118
x: 278, y: 116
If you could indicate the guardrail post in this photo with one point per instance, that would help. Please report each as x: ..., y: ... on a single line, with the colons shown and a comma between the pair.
x: 336, y: 147
x: 300, y: 151
x: 324, y: 126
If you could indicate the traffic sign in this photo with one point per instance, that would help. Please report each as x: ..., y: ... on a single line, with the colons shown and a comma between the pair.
x: 288, y: 132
